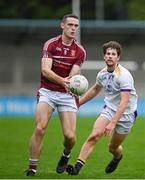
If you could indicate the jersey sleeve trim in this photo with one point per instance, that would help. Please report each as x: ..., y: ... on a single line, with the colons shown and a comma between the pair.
x: 125, y: 90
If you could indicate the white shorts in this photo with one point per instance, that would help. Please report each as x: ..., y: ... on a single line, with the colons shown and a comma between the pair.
x: 124, y: 124
x: 58, y: 100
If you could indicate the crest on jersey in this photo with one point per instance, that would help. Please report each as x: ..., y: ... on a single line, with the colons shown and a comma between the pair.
x: 73, y: 53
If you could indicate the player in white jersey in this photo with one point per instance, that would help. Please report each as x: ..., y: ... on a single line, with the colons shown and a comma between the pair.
x: 114, y: 82
x: 119, y: 112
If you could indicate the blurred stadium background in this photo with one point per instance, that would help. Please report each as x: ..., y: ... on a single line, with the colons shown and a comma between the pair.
x: 24, y: 27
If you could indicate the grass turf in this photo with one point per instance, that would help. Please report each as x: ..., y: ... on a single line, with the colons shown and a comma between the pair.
x: 14, y: 141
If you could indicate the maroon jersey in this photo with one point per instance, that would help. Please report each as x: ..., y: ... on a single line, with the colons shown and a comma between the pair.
x: 64, y: 57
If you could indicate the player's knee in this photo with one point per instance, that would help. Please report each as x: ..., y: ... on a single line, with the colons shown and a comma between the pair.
x: 70, y: 136
x: 40, y: 130
x: 94, y: 137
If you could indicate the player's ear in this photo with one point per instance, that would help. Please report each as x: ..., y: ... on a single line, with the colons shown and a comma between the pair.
x: 62, y: 25
x: 118, y: 58
x: 104, y: 57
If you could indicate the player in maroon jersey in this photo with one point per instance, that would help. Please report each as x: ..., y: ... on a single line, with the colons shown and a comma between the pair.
x: 62, y: 57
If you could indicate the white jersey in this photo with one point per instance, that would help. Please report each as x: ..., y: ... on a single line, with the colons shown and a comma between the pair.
x: 115, y: 82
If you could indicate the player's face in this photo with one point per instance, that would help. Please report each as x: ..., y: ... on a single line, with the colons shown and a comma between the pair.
x: 70, y: 27
x: 111, y: 57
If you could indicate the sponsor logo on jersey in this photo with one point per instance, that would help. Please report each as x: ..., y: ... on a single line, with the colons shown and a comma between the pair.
x: 58, y: 48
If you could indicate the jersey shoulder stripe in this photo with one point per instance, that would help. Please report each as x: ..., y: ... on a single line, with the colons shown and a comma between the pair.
x: 51, y: 41
x: 118, y: 71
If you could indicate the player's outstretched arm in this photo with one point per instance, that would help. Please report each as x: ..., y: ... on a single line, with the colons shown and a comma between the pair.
x: 91, y: 93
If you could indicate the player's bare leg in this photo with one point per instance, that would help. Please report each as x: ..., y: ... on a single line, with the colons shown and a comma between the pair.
x: 87, y: 148
x: 116, y: 149
x: 43, y: 114
x: 68, y: 122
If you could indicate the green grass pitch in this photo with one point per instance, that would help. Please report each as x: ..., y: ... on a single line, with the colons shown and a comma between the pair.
x: 14, y: 140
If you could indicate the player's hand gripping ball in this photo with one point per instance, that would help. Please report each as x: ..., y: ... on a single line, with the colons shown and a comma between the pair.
x: 78, y: 84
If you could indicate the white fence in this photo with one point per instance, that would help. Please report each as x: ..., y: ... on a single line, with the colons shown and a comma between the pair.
x: 24, y: 78
x: 98, y: 65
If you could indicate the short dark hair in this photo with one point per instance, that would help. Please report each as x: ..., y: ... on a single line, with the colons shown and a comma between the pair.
x: 69, y: 15
x: 114, y: 45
